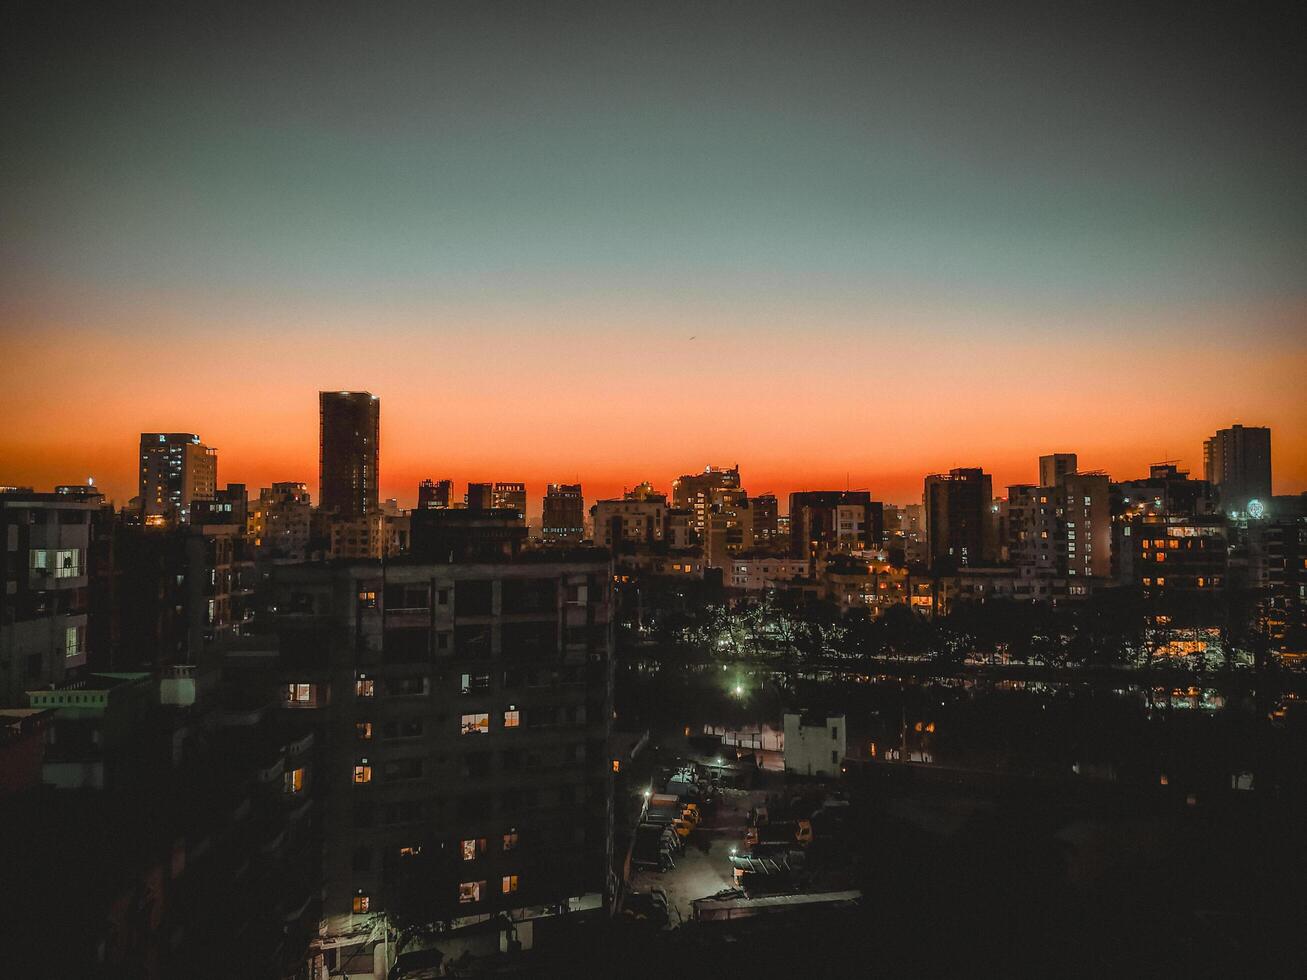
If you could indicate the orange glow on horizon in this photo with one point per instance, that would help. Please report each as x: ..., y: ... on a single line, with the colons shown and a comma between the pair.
x: 493, y: 398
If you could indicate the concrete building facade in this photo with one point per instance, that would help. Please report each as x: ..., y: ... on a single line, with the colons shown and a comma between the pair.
x: 467, y: 707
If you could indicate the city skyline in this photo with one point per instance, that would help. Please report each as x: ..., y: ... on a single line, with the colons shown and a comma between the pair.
x: 1022, y: 464
x: 1019, y: 465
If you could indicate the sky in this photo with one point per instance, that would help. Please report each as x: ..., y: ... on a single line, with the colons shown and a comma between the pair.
x: 838, y: 244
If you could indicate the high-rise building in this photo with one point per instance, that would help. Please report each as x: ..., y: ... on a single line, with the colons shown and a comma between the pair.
x: 1237, y: 461
x: 1055, y: 466
x: 435, y: 494
x: 960, y: 530
x: 765, y: 514
x: 175, y: 469
x: 696, y: 491
x: 563, y: 514
x: 1061, y: 530
x: 349, y: 452
x: 466, y: 708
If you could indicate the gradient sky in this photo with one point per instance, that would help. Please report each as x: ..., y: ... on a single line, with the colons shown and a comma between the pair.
x: 834, y: 242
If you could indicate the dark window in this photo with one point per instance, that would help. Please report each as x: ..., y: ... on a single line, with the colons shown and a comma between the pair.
x: 528, y: 595
x: 406, y: 646
x: 402, y: 728
x: 473, y: 598
x: 476, y: 765
x: 527, y: 640
x: 398, y: 769
x: 405, y: 686
x: 362, y: 859
x: 472, y: 642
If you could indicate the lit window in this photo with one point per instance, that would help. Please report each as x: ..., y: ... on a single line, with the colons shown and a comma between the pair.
x: 294, y: 780
x: 474, y: 724
x: 470, y: 892
x: 365, y: 687
x: 512, y: 717
x: 509, y: 884
x: 617, y: 765
x: 1161, y: 581
x: 362, y: 903
x: 368, y: 600
x: 363, y: 731
x: 72, y: 642
x: 510, y: 840
x: 299, y: 693
x: 363, y: 772
x: 411, y: 851
x: 473, y: 848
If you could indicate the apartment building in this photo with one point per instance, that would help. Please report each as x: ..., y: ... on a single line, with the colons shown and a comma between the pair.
x: 467, y: 707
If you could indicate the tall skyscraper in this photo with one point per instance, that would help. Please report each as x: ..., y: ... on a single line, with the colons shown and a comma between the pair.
x: 175, y: 469
x: 563, y: 514
x: 349, y: 451
x: 960, y: 532
x: 1237, y: 461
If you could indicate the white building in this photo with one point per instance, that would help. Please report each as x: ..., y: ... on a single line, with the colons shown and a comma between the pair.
x: 815, y: 746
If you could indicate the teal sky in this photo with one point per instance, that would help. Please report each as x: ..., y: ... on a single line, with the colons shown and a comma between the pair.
x: 426, y: 152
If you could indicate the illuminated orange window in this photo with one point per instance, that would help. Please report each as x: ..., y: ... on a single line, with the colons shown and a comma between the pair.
x: 363, y: 772
x: 509, y: 884
x: 363, y: 731
x: 362, y: 903
x: 512, y: 717
x: 294, y: 780
x: 617, y: 765
x: 1161, y: 581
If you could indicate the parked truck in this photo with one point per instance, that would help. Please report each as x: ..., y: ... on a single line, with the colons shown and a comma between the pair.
x: 790, y: 832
